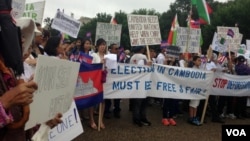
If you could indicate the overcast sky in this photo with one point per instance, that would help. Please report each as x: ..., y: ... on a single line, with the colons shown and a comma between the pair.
x: 89, y: 8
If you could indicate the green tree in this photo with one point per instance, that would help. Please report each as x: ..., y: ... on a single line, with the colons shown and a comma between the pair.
x: 231, y: 13
x: 121, y: 18
x: 91, y: 26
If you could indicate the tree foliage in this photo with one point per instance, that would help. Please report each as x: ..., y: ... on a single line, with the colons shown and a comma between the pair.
x: 224, y: 14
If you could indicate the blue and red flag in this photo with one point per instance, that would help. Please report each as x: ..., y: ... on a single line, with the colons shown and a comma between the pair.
x: 81, y: 57
x: 89, y: 87
x: 85, y: 58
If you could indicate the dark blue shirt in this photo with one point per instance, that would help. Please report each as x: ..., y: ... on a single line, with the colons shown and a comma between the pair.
x: 242, y: 69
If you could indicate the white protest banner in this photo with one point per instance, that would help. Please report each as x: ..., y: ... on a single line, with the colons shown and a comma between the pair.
x: 144, y: 30
x: 35, y: 11
x: 18, y: 7
x: 56, y: 80
x: 66, y: 24
x: 230, y: 85
x: 219, y: 44
x: 234, y: 42
x: 70, y: 128
x: 111, y: 33
x: 248, y: 44
x: 188, y: 39
x: 133, y: 81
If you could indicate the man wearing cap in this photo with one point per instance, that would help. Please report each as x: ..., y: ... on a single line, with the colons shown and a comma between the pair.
x: 241, y: 68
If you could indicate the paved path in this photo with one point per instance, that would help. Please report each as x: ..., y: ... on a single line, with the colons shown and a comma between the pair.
x: 123, y: 130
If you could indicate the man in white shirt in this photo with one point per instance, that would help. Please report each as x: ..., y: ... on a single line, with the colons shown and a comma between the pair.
x: 161, y: 57
x: 212, y: 65
x: 139, y: 105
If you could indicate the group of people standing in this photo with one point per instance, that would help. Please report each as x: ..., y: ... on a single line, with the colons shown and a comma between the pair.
x: 170, y: 107
x: 18, y: 60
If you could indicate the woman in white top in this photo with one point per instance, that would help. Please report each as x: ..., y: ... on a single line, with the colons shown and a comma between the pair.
x: 98, y: 57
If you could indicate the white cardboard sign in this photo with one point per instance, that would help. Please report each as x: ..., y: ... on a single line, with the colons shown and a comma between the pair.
x: 188, y: 39
x: 66, y: 24
x: 144, y: 30
x: 111, y: 33
x: 18, y: 7
x: 35, y: 11
x: 56, y: 80
x: 70, y: 128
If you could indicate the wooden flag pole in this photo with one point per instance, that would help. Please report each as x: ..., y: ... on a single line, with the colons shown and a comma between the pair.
x: 204, y: 110
x: 100, y: 116
x: 148, y: 53
x: 209, y: 56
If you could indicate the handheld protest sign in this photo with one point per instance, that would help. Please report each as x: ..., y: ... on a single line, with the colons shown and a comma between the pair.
x: 57, y: 82
x: 66, y: 24
x: 144, y: 30
x: 35, y: 11
x: 188, y: 39
x: 231, y: 35
x: 111, y: 33
x: 18, y: 7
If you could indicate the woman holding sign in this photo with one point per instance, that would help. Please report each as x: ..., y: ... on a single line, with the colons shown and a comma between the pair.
x: 14, y: 93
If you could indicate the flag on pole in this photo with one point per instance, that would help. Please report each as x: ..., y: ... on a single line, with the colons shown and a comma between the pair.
x: 89, y: 87
x: 203, y: 10
x: 113, y: 21
x: 194, y: 24
x: 172, y: 32
x: 222, y: 58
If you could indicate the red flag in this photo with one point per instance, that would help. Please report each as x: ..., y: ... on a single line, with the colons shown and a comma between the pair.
x: 113, y: 21
x: 172, y: 32
x: 89, y: 87
x: 194, y: 24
